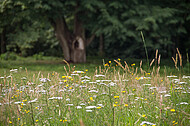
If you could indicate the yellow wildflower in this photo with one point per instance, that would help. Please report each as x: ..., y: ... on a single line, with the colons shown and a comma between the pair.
x: 37, y: 120
x: 126, y: 105
x: 133, y: 64
x: 172, y: 110
x: 114, y: 105
x: 18, y: 118
x: 109, y: 61
x: 106, y: 64
x: 116, y: 96
x: 123, y: 91
x: 98, y: 107
x: 86, y: 70
x: 10, y: 122
x: 91, y: 98
x: 143, y: 115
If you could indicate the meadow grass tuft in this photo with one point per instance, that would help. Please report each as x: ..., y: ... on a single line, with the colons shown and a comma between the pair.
x: 116, y: 93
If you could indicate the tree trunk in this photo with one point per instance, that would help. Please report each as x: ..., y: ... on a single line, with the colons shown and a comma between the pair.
x: 64, y: 37
x: 3, y: 44
x: 73, y: 45
x: 78, y: 53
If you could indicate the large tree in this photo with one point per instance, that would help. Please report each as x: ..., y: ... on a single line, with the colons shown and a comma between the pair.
x: 69, y: 18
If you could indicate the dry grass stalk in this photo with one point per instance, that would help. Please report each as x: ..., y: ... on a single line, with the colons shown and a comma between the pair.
x: 142, y: 72
x: 161, y: 105
x: 26, y: 72
x: 156, y: 56
x: 176, y: 56
x: 67, y: 65
x: 159, y: 59
x: 39, y: 75
x: 65, y: 70
x: 100, y: 71
x: 126, y: 66
x: 158, y: 69
x: 34, y: 77
x: 73, y: 69
x: 141, y: 64
x: 173, y: 59
x: 120, y: 65
x: 174, y: 62
x: 151, y: 62
x: 81, y: 123
x: 180, y: 57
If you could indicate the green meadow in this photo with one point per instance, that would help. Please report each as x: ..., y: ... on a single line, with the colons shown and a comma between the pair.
x: 100, y: 92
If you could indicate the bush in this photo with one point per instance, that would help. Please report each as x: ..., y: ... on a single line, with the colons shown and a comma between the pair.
x: 8, y: 56
x: 38, y: 56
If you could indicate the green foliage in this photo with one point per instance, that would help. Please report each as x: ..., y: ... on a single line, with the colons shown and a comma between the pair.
x: 8, y: 56
x: 38, y: 56
x: 165, y: 25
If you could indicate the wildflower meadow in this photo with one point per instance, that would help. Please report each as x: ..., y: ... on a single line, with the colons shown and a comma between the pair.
x: 114, y: 94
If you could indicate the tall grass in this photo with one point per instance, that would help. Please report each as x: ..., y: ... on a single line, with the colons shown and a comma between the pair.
x: 114, y: 94
x: 145, y: 49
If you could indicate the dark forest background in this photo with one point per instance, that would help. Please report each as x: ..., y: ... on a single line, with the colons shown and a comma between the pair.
x: 26, y: 26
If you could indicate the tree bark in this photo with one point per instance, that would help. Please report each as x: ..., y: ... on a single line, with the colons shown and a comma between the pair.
x: 73, y: 44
